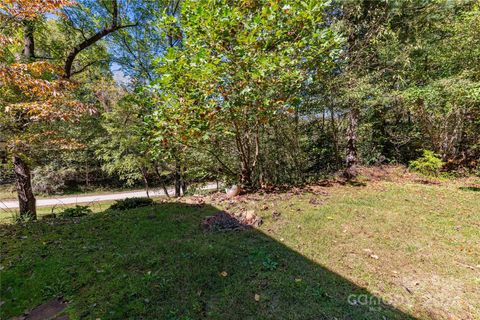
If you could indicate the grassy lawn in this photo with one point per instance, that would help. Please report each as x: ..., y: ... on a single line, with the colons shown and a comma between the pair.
x: 7, y: 192
x: 416, y: 247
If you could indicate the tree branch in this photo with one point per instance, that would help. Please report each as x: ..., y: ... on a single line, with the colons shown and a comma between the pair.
x: 85, y: 67
x: 93, y: 39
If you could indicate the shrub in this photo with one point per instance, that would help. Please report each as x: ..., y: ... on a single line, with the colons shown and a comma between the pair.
x: 50, y: 179
x: 77, y: 211
x: 26, y: 217
x: 428, y: 164
x: 131, y: 203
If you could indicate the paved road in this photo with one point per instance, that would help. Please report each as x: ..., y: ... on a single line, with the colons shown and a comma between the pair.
x: 13, y: 204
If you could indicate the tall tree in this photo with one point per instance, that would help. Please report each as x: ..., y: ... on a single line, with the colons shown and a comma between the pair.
x: 38, y: 93
x: 240, y: 66
x: 28, y: 93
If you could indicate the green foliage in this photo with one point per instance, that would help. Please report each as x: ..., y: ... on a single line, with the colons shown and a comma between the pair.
x: 428, y: 164
x: 256, y: 92
x: 77, y: 211
x: 131, y: 203
x: 477, y: 170
x: 123, y: 150
x: 238, y: 74
x: 23, y: 218
x: 50, y: 179
x: 269, y: 264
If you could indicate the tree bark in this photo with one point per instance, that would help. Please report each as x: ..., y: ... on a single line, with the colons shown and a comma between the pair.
x: 184, y: 186
x: 335, y: 138
x: 28, y: 52
x: 245, y: 177
x: 177, y: 179
x: 26, y: 199
x: 145, y: 181
x: 351, y: 159
x: 162, y: 181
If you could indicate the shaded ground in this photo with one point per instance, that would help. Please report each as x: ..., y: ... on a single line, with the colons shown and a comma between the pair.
x: 333, y: 252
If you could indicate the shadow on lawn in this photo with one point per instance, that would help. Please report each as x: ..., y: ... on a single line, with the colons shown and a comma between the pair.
x: 156, y: 263
x: 470, y: 188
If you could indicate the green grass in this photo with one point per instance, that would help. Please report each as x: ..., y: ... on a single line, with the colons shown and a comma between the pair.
x: 10, y: 215
x: 415, y: 246
x: 7, y: 192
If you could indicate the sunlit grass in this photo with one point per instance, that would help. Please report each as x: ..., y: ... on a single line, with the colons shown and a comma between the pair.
x: 414, y: 245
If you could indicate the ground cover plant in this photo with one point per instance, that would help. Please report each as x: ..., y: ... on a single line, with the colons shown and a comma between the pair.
x: 131, y: 203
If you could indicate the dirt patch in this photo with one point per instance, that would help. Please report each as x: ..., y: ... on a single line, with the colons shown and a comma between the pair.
x: 437, y: 296
x: 391, y: 173
x: 427, y: 181
x: 49, y: 310
x: 224, y: 221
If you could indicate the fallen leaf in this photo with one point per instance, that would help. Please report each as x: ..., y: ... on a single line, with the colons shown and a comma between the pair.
x: 257, y: 297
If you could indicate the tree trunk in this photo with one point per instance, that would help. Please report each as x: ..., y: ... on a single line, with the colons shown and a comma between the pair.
x: 28, y: 52
x: 165, y: 190
x: 177, y: 179
x: 245, y: 177
x: 351, y: 159
x: 87, y: 178
x: 26, y: 199
x: 162, y: 181
x: 335, y: 138
x: 147, y: 189
x: 184, y: 187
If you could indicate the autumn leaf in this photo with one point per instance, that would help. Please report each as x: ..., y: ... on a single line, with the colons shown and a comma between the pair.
x: 30, y: 9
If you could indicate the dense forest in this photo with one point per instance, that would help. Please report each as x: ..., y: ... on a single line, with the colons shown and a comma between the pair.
x: 258, y: 93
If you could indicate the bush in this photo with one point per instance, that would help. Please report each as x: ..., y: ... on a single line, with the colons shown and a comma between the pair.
x: 77, y: 211
x: 24, y: 218
x: 131, y: 203
x: 428, y: 164
x: 50, y: 179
